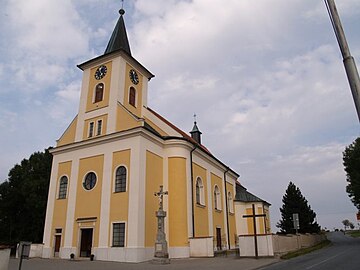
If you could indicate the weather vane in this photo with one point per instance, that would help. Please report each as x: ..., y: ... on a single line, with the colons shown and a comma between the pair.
x: 195, y: 117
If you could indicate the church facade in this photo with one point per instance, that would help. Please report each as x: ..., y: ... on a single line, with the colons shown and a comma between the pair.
x: 116, y: 154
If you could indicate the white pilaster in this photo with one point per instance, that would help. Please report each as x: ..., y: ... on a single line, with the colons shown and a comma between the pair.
x: 136, y: 216
x: 50, y: 209
x: 105, y: 201
x: 70, y: 215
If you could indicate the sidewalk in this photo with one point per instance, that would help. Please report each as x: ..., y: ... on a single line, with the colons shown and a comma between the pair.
x: 229, y: 263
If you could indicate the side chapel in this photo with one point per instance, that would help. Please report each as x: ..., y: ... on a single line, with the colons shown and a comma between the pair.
x: 112, y: 158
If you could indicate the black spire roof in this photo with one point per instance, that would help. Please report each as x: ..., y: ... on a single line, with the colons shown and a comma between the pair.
x: 119, y: 40
x: 196, y: 133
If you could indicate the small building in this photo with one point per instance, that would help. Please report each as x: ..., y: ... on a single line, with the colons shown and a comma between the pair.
x: 112, y: 158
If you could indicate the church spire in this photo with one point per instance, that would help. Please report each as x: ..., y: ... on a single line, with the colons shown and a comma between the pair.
x: 119, y: 40
x: 195, y: 132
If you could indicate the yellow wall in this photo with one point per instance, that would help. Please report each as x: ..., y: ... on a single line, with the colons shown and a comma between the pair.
x: 231, y: 216
x: 200, y: 211
x: 60, y: 206
x: 88, y: 201
x: 69, y: 134
x: 137, y: 109
x: 218, y: 215
x: 124, y: 120
x: 95, y: 119
x: 154, y: 178
x: 161, y: 132
x: 119, y: 202
x: 250, y: 222
x: 177, y: 214
x: 90, y: 105
x: 261, y: 221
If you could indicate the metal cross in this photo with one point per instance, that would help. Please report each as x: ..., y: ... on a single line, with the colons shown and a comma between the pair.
x: 161, y: 194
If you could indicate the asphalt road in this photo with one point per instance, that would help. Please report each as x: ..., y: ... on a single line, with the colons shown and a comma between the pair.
x: 344, y: 253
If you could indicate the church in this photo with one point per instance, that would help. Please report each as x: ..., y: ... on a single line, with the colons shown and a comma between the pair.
x: 113, y: 157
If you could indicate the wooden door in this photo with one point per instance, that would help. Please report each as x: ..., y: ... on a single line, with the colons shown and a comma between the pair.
x: 218, y: 238
x: 57, y: 245
x: 86, y: 242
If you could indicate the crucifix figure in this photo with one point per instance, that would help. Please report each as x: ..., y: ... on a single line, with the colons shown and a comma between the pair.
x: 254, y: 216
x: 161, y: 194
x: 161, y: 248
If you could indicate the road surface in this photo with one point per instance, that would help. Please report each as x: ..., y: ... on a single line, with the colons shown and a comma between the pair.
x: 344, y: 253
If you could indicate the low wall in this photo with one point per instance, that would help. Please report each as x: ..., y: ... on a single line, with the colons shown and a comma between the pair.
x: 286, y: 243
x: 201, y: 247
x: 264, y: 244
x: 4, y: 258
x: 36, y: 250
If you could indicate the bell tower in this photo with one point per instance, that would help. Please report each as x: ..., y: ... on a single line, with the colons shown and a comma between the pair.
x: 114, y: 89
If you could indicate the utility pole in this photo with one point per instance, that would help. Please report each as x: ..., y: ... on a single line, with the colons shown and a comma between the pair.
x: 349, y: 63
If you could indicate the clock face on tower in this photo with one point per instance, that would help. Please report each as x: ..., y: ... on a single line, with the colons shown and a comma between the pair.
x: 100, y: 72
x: 133, y: 76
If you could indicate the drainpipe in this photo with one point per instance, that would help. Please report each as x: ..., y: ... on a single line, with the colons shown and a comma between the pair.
x: 192, y: 192
x: 227, y: 211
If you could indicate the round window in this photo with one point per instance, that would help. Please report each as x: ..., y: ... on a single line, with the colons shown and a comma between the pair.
x: 90, y: 181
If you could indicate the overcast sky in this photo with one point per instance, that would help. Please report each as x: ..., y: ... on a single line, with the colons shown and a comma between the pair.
x: 265, y: 79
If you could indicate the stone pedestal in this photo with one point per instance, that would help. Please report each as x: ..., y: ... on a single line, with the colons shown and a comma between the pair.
x: 161, y: 247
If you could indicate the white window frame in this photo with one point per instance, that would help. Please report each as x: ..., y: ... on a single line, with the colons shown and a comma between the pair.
x: 112, y: 234
x: 217, y: 198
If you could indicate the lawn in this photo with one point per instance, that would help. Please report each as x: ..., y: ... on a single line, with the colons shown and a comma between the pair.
x: 354, y: 233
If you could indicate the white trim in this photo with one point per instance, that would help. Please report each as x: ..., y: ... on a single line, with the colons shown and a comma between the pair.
x: 81, y: 227
x: 210, y: 203
x: 50, y: 208
x: 91, y: 129
x: 94, y: 92
x: 84, y: 178
x: 105, y: 201
x: 112, y: 236
x: 218, y: 204
x: 70, y: 215
x: 201, y: 191
x: 114, y: 178
x: 101, y: 127
x: 58, y: 187
x: 136, y: 96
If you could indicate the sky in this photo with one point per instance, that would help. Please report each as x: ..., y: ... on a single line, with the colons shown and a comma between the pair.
x: 265, y: 79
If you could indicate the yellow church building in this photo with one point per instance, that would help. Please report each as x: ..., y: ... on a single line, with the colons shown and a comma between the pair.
x: 112, y: 158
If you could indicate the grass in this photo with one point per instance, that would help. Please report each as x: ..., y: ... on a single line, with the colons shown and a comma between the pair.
x: 304, y: 251
x: 354, y: 233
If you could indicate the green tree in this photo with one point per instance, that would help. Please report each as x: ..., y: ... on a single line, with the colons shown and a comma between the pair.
x: 346, y: 223
x: 23, y: 198
x: 295, y: 202
x: 351, y: 158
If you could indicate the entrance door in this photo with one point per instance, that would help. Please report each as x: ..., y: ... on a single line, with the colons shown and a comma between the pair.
x: 57, y: 245
x: 86, y: 242
x: 218, y: 238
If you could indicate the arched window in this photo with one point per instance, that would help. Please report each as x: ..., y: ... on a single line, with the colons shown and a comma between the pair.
x: 63, y: 187
x: 90, y: 181
x: 217, y: 198
x: 230, y: 203
x: 132, y: 96
x: 199, y: 191
x: 120, y: 179
x: 99, y: 92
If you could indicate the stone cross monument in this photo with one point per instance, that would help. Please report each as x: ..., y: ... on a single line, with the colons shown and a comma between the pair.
x: 161, y: 248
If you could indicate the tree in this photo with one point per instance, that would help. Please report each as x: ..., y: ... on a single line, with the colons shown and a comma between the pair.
x: 23, y: 199
x: 346, y: 223
x: 295, y: 202
x: 351, y: 158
